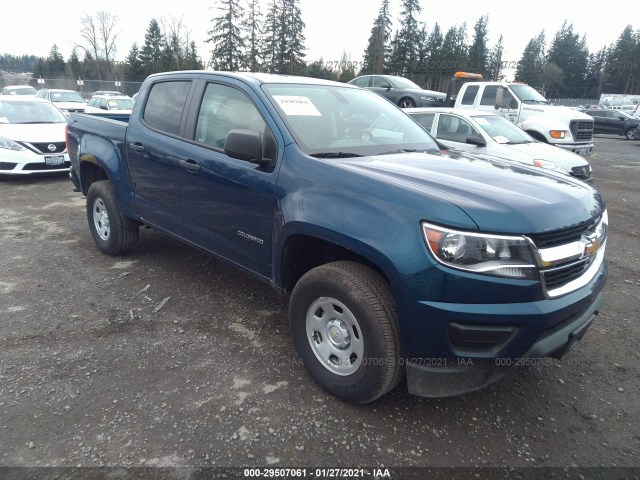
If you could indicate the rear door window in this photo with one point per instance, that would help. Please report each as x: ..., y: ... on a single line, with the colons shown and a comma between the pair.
x: 165, y: 104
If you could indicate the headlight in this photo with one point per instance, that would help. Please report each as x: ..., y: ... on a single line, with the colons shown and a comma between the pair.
x: 10, y: 144
x: 427, y: 99
x: 496, y: 255
x: 558, y: 134
x: 549, y: 166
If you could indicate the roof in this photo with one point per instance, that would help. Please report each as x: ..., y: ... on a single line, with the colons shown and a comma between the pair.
x: 22, y: 98
x: 463, y: 112
x: 259, y: 78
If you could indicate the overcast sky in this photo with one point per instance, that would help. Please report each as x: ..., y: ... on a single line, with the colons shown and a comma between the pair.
x: 332, y: 26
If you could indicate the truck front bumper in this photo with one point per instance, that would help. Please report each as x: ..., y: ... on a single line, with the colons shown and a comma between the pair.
x: 584, y: 149
x: 466, y: 341
x: 442, y: 378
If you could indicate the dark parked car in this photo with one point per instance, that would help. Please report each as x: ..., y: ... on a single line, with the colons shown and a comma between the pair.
x: 614, y: 122
x: 399, y: 90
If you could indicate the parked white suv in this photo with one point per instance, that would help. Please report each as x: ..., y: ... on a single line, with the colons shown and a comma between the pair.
x: 66, y: 100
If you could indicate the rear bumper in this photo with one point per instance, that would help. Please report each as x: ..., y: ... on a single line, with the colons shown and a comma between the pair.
x: 442, y: 378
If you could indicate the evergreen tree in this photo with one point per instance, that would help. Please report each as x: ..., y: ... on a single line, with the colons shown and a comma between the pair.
x: 622, y: 71
x: 291, y: 42
x: 172, y: 53
x: 252, y: 27
x: 479, y: 51
x: 595, y: 73
x: 569, y: 52
x: 378, y: 47
x: 75, y: 67
x: 434, y: 50
x: 531, y: 65
x: 227, y: 40
x: 454, y: 50
x: 318, y: 69
x: 134, y: 70
x: 192, y: 60
x: 407, y: 42
x: 151, y: 52
x: 55, y: 63
x: 495, y: 61
x: 271, y: 38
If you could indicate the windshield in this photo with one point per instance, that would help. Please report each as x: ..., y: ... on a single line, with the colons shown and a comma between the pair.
x: 30, y: 112
x: 328, y: 120
x: 527, y: 94
x: 401, y: 82
x: 21, y: 91
x: 66, y: 97
x: 120, y: 103
x: 502, y: 130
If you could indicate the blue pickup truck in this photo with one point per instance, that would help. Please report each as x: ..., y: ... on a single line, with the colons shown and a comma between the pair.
x: 402, y: 260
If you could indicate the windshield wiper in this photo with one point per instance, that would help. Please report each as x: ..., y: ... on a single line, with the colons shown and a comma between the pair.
x: 546, y: 102
x: 518, y: 143
x: 335, y: 155
x: 401, y: 150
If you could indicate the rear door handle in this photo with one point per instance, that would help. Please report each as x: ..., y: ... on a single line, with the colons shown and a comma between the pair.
x: 136, y: 147
x: 190, y: 165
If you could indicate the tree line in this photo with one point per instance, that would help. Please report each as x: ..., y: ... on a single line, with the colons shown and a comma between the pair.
x: 243, y: 37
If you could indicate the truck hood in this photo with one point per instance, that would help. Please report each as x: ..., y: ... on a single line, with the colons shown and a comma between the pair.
x: 499, y: 196
x: 556, y: 111
x: 33, y: 132
x: 528, y: 152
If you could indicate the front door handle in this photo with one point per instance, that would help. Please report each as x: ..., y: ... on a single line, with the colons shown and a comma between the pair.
x: 190, y: 165
x: 136, y: 147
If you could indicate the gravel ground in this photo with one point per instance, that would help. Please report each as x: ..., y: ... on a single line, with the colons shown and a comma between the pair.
x: 167, y: 357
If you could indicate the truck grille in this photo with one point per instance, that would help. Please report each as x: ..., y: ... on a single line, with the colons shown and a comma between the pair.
x: 560, y: 237
x: 582, y: 130
x: 564, y: 274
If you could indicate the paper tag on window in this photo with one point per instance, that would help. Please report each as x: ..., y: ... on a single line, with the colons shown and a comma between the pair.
x: 296, y: 105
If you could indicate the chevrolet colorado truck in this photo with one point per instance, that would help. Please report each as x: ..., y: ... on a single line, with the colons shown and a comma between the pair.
x: 522, y: 105
x: 400, y: 259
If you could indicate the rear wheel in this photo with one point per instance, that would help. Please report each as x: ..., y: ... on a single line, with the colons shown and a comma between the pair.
x: 112, y: 233
x: 344, y: 327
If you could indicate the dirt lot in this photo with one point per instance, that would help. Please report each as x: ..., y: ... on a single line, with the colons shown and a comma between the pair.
x: 167, y: 357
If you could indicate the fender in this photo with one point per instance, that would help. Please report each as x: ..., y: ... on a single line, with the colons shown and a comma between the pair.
x: 542, y: 124
x: 109, y: 156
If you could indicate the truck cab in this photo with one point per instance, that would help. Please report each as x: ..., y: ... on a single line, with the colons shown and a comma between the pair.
x: 522, y: 105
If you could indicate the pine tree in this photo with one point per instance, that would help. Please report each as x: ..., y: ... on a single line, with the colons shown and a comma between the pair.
x: 595, y: 73
x: 406, y: 43
x: 55, y: 63
x: 252, y: 27
x: 291, y: 42
x: 272, y: 62
x: 134, y: 69
x: 622, y: 72
x: 569, y: 52
x: 76, y: 70
x: 479, y: 51
x: 378, y: 49
x: 192, y: 60
x: 151, y: 52
x: 495, y: 61
x: 227, y: 40
x: 531, y: 64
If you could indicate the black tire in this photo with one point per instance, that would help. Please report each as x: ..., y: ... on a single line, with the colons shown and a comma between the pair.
x: 113, y: 233
x: 406, y: 103
x: 629, y: 133
x: 366, y: 297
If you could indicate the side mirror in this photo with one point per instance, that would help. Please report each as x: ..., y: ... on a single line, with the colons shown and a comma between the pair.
x: 386, y: 85
x: 476, y: 140
x: 246, y: 145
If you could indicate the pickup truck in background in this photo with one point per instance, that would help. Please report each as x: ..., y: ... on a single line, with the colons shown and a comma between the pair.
x: 521, y: 104
x: 401, y: 260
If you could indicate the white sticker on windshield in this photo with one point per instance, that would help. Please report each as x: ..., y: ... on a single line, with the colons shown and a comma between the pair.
x: 296, y: 105
x: 501, y: 139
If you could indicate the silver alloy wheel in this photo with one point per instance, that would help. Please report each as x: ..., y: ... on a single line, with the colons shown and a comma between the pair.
x: 406, y: 103
x: 334, y: 336
x: 101, y: 219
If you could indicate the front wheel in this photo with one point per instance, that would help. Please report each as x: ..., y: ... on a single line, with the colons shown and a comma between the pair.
x: 629, y: 134
x: 344, y: 327
x: 406, y: 103
x: 112, y: 233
